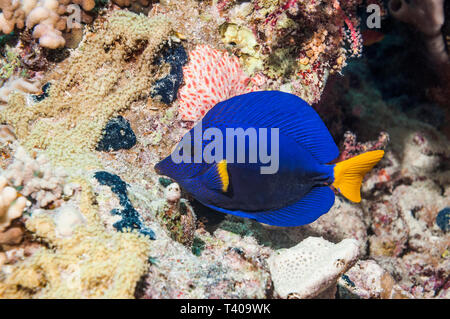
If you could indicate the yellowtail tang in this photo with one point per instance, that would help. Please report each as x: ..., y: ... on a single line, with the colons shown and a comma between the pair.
x: 300, y: 191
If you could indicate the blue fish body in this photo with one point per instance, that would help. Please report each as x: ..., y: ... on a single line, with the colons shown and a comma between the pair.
x: 252, y: 191
x: 296, y: 194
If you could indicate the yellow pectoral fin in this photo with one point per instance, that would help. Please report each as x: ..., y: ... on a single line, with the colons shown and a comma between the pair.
x: 223, y: 173
x: 216, y: 177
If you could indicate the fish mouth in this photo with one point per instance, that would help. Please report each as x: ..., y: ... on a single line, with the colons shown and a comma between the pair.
x: 158, y: 169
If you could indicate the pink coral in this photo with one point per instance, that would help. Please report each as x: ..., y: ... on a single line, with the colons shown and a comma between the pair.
x: 211, y: 76
x: 352, y: 148
x: 354, y: 36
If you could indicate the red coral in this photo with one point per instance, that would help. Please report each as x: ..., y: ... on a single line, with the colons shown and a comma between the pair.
x: 211, y: 76
x: 355, y: 36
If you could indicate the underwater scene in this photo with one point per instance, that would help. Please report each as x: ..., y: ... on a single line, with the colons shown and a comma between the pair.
x: 225, y: 149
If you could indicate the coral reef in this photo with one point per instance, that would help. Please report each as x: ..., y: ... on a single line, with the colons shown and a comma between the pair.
x: 130, y: 217
x: 443, y: 219
x: 369, y: 281
x: 85, y: 215
x: 122, y: 49
x: 350, y: 146
x: 295, y: 43
x: 229, y: 266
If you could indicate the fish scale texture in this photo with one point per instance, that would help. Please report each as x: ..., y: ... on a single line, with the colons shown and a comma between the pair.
x: 211, y: 76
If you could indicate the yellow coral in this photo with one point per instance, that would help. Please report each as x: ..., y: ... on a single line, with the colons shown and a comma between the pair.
x: 92, y: 263
x: 243, y: 39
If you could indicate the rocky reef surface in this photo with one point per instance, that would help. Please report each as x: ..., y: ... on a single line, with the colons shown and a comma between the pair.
x: 85, y: 118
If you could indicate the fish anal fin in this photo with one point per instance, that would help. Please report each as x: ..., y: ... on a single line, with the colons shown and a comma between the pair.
x: 313, y: 205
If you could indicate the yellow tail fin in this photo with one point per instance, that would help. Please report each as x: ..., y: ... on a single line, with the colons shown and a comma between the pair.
x: 348, y: 174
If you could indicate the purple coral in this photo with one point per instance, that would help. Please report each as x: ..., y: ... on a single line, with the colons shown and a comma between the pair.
x: 352, y: 148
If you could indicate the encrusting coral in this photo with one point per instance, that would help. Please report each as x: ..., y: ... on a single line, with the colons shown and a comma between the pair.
x: 92, y: 88
x: 84, y: 261
x: 311, y: 267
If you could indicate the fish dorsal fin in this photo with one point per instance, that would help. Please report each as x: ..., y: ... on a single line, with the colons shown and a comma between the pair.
x: 275, y: 109
x: 216, y: 177
x: 313, y: 205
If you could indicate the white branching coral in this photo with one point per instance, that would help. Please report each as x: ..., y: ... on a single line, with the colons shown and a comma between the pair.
x: 47, y: 18
x: 11, y: 204
x: 311, y: 267
x: 36, y: 178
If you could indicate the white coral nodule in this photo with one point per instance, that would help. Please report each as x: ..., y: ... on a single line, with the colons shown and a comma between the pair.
x: 11, y: 204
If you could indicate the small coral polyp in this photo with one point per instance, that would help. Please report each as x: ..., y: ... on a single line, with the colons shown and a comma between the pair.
x: 210, y: 77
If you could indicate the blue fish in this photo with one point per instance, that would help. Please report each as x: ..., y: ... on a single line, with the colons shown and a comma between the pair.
x: 300, y: 190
